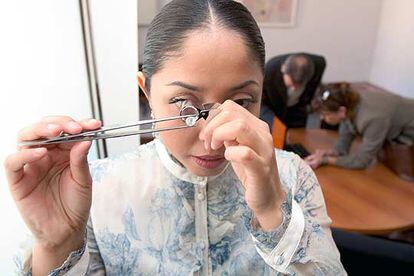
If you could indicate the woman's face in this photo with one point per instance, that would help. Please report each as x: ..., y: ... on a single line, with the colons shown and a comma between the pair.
x: 214, y: 66
x: 333, y: 118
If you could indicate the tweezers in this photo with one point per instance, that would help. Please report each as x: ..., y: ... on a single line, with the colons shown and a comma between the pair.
x: 101, y: 133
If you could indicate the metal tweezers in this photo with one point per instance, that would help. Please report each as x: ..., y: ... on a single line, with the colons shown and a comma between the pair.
x: 101, y: 133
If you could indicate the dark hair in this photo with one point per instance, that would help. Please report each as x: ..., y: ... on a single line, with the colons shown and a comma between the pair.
x: 330, y: 97
x: 177, y: 19
x: 300, y: 68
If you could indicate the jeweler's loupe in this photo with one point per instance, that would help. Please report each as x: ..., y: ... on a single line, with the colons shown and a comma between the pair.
x: 198, y: 112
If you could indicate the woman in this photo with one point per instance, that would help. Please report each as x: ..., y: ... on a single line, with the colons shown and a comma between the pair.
x: 174, y: 206
x: 376, y: 116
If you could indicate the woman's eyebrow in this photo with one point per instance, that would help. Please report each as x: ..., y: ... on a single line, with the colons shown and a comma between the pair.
x: 185, y: 85
x: 244, y: 84
x: 197, y: 89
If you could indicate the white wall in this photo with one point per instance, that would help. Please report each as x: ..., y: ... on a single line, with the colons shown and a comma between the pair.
x: 393, y: 64
x: 343, y: 31
x: 42, y: 72
x: 115, y: 36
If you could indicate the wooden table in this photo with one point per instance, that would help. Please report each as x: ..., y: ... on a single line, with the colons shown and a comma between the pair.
x: 371, y: 201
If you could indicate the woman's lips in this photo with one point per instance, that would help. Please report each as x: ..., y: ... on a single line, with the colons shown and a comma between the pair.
x: 209, y: 161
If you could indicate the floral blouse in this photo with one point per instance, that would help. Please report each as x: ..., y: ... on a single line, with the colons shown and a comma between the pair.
x: 150, y: 216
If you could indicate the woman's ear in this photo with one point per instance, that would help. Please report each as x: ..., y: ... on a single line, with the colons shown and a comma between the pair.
x: 141, y: 83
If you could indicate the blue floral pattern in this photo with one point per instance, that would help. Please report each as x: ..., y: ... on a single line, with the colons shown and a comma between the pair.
x: 144, y: 216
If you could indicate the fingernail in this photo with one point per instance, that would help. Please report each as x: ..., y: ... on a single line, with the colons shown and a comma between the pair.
x: 213, y: 146
x: 92, y: 121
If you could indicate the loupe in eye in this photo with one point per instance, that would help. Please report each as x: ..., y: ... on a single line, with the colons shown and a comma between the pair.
x: 206, y: 109
x: 196, y: 113
x: 193, y: 114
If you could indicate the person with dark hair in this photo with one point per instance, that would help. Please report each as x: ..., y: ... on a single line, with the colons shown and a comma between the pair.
x: 213, y: 199
x: 376, y: 116
x: 290, y: 83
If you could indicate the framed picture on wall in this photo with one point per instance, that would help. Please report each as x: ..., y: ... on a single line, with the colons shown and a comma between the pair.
x: 273, y: 13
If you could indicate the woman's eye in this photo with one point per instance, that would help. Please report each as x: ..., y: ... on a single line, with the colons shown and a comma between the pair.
x: 244, y: 102
x: 177, y: 100
x: 181, y: 102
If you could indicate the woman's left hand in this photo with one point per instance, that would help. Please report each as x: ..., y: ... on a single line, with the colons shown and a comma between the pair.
x: 315, y: 160
x: 249, y: 147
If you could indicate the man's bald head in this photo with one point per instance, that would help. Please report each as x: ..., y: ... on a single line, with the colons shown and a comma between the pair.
x: 299, y: 68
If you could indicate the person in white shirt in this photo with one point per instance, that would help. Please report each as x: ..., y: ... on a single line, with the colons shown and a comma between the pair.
x: 216, y: 199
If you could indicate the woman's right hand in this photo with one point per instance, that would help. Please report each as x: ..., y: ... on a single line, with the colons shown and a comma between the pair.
x: 52, y: 185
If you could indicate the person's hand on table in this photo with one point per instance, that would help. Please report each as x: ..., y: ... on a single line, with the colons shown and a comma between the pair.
x: 315, y: 160
x: 322, y: 157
